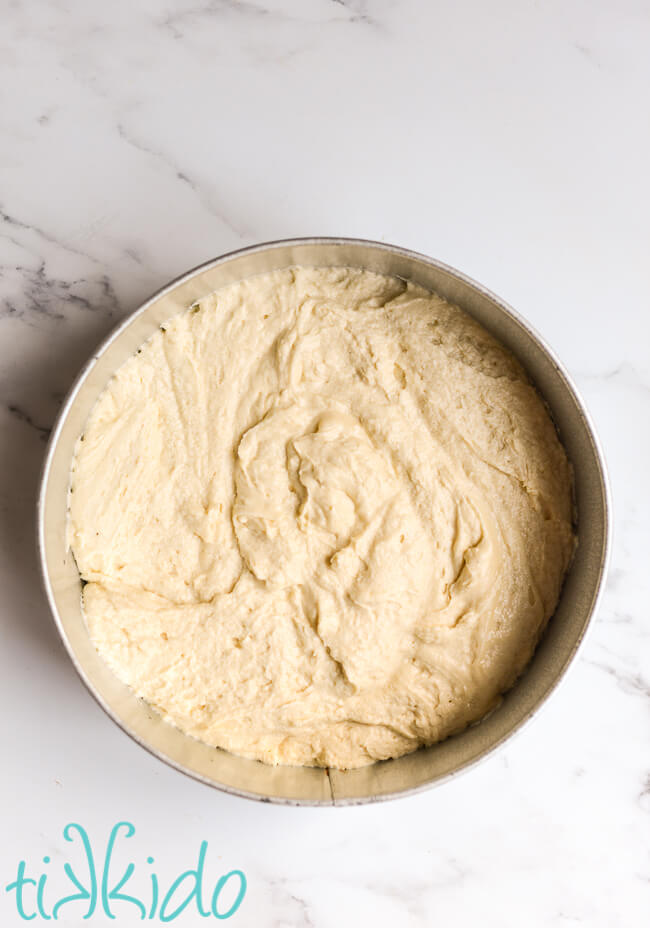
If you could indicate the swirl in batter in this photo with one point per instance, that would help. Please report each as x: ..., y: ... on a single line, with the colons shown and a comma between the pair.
x: 323, y: 518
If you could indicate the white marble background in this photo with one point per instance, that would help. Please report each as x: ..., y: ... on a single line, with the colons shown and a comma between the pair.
x: 510, y: 139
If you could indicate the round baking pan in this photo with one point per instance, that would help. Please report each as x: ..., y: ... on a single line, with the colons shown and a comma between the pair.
x: 385, y: 779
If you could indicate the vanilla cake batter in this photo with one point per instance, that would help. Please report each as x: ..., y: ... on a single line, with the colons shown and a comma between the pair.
x: 323, y: 518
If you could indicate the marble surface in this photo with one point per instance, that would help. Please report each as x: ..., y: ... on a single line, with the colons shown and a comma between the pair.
x: 510, y: 140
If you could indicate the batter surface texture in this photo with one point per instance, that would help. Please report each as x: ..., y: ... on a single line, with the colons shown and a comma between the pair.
x: 323, y: 518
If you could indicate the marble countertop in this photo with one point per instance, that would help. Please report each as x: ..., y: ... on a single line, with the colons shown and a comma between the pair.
x: 510, y: 140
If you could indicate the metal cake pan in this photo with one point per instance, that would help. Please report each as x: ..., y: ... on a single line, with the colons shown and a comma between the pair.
x: 427, y: 766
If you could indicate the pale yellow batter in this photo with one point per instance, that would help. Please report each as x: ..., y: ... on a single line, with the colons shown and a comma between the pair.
x: 323, y: 517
